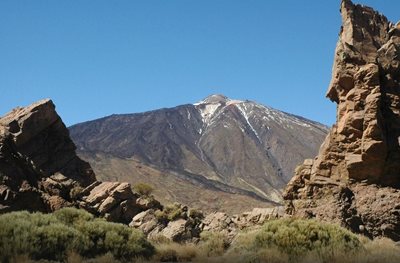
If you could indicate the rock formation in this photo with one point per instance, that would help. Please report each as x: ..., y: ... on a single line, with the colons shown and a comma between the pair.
x: 38, y: 164
x: 355, y: 178
x: 40, y: 171
x: 189, y: 225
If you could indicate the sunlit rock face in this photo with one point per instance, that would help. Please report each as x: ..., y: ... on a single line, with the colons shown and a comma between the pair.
x: 362, y: 150
x: 40, y: 171
x: 38, y: 163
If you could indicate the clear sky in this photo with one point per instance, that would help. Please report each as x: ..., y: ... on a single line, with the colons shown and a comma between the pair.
x: 96, y: 57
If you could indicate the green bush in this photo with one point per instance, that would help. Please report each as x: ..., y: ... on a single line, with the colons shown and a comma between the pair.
x: 38, y: 235
x: 72, y: 216
x: 196, y: 214
x: 122, y: 241
x: 143, y: 189
x: 297, y: 238
x: 170, y: 213
x: 53, y: 236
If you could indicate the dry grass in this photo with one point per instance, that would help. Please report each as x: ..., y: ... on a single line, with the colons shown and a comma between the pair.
x: 174, y: 252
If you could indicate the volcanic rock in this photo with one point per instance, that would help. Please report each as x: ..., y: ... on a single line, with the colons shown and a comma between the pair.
x: 355, y: 178
x: 112, y: 200
x: 40, y: 171
x: 38, y: 160
x: 217, y: 154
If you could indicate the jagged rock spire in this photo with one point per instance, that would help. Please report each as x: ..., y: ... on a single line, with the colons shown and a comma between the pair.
x: 363, y: 147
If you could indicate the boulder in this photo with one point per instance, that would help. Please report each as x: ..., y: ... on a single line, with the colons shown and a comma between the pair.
x: 113, y: 200
x: 38, y: 163
x: 145, y: 221
x: 177, y: 230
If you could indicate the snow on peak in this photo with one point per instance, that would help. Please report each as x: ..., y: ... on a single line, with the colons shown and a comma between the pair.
x: 210, y: 106
x: 207, y: 111
x: 217, y: 99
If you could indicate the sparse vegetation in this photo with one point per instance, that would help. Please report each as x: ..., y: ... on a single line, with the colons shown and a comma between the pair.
x: 213, y: 244
x: 53, y: 236
x: 196, y: 214
x: 297, y: 238
x: 143, y: 189
x: 174, y: 252
x: 171, y: 213
x: 72, y: 235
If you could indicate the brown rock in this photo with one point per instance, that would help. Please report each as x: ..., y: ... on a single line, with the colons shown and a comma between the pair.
x: 176, y: 230
x: 360, y: 157
x: 113, y: 200
x: 145, y: 221
x: 258, y: 216
x: 38, y: 163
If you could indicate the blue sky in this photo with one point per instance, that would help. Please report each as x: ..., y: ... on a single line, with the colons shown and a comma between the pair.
x: 95, y: 58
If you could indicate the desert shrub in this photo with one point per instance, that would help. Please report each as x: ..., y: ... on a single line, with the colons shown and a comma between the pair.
x: 121, y: 241
x: 143, y: 189
x: 53, y: 236
x: 159, y: 239
x: 170, y: 213
x: 380, y: 250
x: 296, y: 238
x: 72, y: 216
x: 161, y: 216
x: 175, y: 252
x: 37, y: 235
x: 213, y: 243
x: 196, y: 214
x: 174, y: 212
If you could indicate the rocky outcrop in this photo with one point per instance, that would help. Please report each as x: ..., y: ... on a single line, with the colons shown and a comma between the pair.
x: 40, y: 171
x: 38, y: 163
x: 356, y: 176
x: 189, y: 225
x: 112, y: 200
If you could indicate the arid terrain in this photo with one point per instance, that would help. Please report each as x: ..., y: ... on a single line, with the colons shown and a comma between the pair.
x: 216, y: 181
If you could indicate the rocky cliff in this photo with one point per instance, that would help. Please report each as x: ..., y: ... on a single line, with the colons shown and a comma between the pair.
x: 38, y: 164
x: 217, y: 154
x: 355, y: 178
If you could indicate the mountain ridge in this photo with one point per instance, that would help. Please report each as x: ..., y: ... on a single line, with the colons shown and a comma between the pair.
x: 233, y: 144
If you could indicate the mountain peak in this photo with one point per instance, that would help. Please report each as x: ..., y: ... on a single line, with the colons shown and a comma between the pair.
x: 214, y: 99
x: 217, y: 99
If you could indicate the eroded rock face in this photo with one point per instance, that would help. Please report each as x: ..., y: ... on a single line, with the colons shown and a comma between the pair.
x: 40, y: 171
x: 363, y: 146
x: 38, y: 163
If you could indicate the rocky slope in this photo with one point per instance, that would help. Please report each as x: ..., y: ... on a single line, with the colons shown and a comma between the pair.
x: 231, y: 148
x: 355, y: 178
x: 40, y: 171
